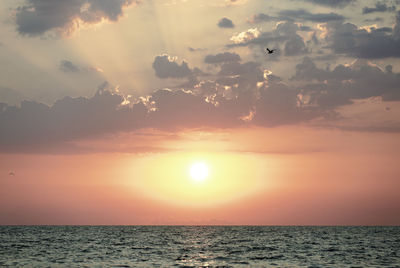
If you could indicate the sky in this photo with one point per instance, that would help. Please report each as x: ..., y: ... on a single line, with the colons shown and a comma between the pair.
x: 106, y: 107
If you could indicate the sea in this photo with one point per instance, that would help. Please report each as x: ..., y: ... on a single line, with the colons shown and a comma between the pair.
x: 199, y: 246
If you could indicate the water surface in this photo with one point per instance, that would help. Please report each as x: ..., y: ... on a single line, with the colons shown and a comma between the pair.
x: 193, y: 246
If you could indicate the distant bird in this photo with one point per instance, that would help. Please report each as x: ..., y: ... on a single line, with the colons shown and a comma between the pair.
x: 11, y: 174
x: 270, y: 51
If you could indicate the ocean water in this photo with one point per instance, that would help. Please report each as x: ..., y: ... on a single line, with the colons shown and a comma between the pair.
x: 198, y: 246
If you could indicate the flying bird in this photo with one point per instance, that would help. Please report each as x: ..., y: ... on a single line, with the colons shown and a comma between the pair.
x: 11, y: 174
x: 270, y: 51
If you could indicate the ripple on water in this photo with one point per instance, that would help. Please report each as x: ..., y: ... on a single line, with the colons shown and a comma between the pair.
x: 189, y: 246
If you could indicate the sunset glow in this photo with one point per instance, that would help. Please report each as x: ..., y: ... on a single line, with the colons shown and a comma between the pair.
x: 173, y: 112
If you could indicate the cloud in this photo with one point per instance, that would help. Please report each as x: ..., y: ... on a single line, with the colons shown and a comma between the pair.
x: 220, y: 103
x: 392, y: 128
x: 365, y: 42
x: 296, y: 14
x: 377, y: 19
x: 238, y: 94
x: 35, y: 123
x: 246, y: 36
x: 295, y: 46
x: 242, y: 93
x: 225, y: 23
x: 302, y: 14
x: 332, y: 3
x: 360, y: 80
x: 285, y: 35
x: 192, y: 49
x: 278, y: 104
x: 166, y: 66
x: 177, y: 109
x: 38, y: 17
x: 261, y: 17
x: 10, y: 96
x: 69, y: 67
x: 235, y: 2
x: 222, y: 58
x: 379, y: 7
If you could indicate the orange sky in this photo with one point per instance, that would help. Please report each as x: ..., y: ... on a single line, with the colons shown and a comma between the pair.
x: 328, y: 178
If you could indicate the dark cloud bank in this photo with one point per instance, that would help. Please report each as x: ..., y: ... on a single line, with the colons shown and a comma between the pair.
x: 296, y: 14
x: 239, y: 94
x: 341, y: 37
x: 372, y: 43
x: 379, y: 7
x: 331, y: 3
x: 222, y: 58
x: 37, y: 17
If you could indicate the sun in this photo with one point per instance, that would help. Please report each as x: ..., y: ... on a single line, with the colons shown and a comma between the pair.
x: 199, y: 171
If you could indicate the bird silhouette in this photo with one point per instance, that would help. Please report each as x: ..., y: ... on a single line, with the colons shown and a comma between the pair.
x: 270, y: 51
x: 11, y: 174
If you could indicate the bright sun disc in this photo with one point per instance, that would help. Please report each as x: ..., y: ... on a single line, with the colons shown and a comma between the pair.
x: 199, y: 171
